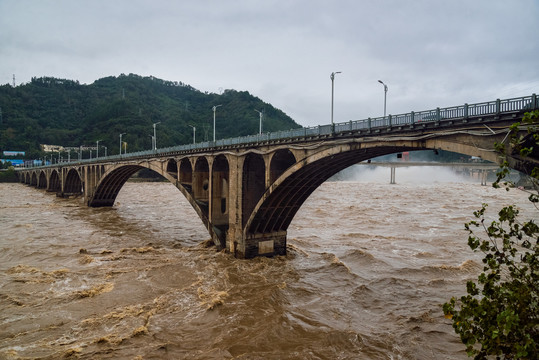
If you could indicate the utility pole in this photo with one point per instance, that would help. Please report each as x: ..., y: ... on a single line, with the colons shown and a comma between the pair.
x: 154, y: 137
x: 121, y: 142
x: 13, y: 80
x: 194, y: 133
x: 260, y: 126
x: 385, y: 95
x: 332, y: 77
x: 214, y: 108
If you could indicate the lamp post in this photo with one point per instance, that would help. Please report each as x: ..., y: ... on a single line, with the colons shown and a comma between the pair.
x: 97, y: 146
x: 105, y: 151
x: 154, y: 137
x: 194, y: 133
x: 385, y: 95
x: 214, y: 108
x: 332, y: 77
x: 260, y: 127
x: 121, y: 142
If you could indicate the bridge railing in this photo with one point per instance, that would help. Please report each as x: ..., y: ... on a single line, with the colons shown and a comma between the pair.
x: 434, y: 115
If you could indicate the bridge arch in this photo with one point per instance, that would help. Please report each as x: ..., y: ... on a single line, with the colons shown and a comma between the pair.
x: 172, y: 168
x: 110, y: 185
x: 33, y: 179
x: 280, y: 202
x: 186, y: 174
x: 253, y: 183
x: 42, y: 181
x: 73, y: 182
x: 281, y: 160
x: 220, y: 197
x: 115, y: 178
x: 54, y: 182
x: 201, y: 184
x: 275, y: 211
x: 220, y: 184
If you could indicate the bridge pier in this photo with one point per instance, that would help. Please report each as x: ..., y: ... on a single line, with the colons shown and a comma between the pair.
x: 484, y: 174
x: 262, y: 245
x: 392, y: 176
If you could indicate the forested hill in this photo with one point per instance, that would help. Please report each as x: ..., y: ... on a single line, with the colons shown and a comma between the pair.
x: 63, y: 112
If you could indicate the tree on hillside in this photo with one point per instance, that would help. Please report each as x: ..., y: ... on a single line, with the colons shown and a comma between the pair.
x: 64, y: 112
x: 499, y: 316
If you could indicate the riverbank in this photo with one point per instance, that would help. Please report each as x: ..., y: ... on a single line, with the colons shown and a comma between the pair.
x: 8, y: 176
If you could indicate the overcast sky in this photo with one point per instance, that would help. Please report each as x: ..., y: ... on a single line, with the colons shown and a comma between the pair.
x: 430, y: 53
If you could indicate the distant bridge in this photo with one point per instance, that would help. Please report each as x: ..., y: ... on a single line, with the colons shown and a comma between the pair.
x: 482, y: 167
x: 247, y: 190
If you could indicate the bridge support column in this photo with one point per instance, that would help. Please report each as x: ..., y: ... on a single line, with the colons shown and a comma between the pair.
x: 63, y: 176
x: 484, y: 177
x: 238, y: 242
x: 91, y: 178
x: 234, y: 239
x: 392, y: 176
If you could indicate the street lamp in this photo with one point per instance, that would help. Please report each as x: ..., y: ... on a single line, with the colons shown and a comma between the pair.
x: 105, y: 151
x: 332, y: 77
x: 154, y: 137
x: 214, y: 108
x: 260, y: 127
x: 194, y: 133
x: 97, y: 146
x: 385, y: 95
x: 121, y: 142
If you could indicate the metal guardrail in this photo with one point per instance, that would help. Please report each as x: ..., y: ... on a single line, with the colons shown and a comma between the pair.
x: 463, y: 111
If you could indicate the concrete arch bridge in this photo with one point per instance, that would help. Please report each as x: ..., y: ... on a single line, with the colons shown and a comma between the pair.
x: 247, y: 190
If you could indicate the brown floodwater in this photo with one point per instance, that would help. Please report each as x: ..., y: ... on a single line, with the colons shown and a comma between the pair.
x: 368, y: 268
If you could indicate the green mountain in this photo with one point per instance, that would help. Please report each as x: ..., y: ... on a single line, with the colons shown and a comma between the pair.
x: 63, y: 112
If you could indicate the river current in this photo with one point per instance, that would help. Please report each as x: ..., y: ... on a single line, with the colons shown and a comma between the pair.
x: 368, y: 268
